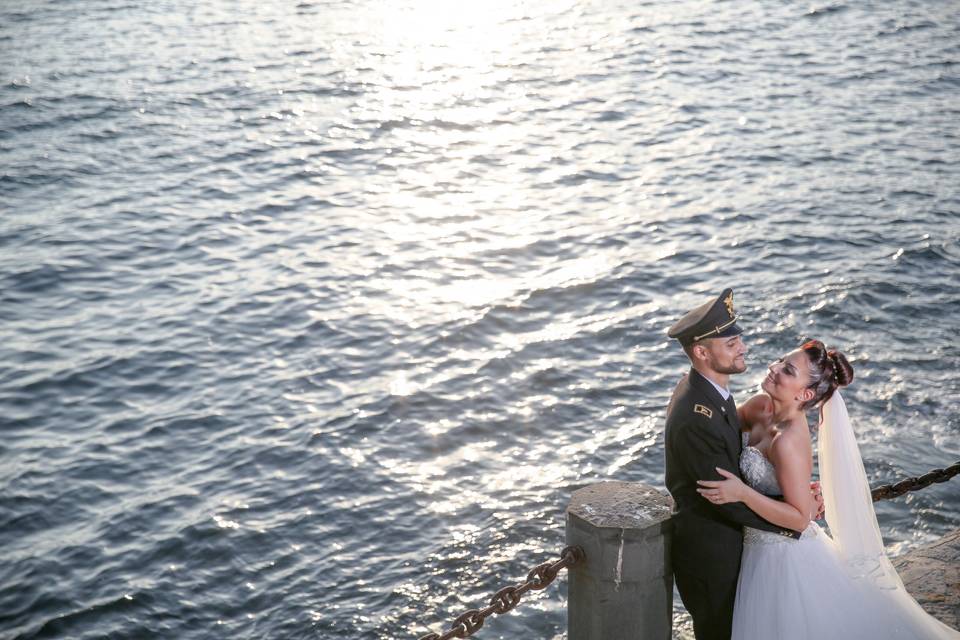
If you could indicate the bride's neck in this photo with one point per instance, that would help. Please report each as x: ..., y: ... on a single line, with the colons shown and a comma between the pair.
x: 784, y: 414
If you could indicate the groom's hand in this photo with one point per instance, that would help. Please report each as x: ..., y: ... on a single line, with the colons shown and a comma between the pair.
x: 818, y: 498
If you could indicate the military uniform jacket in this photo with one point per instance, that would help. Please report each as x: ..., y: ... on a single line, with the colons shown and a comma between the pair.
x: 703, y: 432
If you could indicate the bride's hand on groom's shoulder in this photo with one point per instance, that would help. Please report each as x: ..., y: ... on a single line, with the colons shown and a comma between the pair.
x: 722, y: 491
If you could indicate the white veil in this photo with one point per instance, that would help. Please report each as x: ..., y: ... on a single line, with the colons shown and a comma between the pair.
x: 853, y: 521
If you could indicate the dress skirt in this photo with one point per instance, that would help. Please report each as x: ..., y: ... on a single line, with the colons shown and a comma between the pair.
x: 802, y: 589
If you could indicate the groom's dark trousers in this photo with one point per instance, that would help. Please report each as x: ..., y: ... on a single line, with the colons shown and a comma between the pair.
x: 703, y: 432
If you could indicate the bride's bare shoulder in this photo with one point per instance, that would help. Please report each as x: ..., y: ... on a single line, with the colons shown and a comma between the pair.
x: 793, y: 444
x: 756, y: 410
x: 787, y: 449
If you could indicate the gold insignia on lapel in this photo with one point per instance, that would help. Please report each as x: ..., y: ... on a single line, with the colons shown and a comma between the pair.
x: 729, y: 302
x: 699, y: 408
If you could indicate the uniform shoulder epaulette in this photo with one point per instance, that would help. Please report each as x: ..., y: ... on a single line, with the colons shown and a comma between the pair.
x: 699, y: 408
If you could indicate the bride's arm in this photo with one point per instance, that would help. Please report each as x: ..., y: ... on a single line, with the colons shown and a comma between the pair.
x: 793, y: 477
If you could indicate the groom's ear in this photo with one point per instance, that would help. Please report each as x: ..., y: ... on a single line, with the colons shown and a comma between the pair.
x: 695, y: 351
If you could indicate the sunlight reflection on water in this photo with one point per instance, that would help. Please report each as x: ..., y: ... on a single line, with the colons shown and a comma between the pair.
x: 340, y: 302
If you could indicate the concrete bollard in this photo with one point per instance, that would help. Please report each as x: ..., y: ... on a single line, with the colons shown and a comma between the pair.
x: 624, y: 588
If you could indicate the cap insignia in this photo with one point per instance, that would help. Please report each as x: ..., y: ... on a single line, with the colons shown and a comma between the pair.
x: 729, y: 302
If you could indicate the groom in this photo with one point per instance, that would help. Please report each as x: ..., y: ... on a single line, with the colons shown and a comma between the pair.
x: 703, y: 432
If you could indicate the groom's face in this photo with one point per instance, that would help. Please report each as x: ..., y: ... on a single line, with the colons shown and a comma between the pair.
x: 725, y: 355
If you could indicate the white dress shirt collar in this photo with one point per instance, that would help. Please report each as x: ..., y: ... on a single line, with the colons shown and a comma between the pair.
x: 724, y: 393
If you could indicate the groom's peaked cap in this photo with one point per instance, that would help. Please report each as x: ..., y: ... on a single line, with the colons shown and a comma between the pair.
x: 713, y: 319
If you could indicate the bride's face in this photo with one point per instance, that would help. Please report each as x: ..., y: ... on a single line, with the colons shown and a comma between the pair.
x: 788, y: 378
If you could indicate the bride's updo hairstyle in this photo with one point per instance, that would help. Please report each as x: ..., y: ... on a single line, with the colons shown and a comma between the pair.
x: 829, y: 369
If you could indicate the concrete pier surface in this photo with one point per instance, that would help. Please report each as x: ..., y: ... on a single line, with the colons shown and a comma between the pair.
x: 932, y: 576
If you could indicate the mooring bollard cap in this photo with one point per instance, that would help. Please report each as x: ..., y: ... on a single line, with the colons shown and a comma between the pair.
x: 630, y: 505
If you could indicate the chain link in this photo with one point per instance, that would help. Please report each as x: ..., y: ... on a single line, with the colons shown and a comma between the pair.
x: 504, y: 600
x: 887, y: 491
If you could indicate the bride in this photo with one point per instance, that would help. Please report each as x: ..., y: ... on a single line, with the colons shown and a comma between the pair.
x: 840, y: 585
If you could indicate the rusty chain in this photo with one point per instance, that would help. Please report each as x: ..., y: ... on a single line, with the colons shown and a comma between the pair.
x: 887, y: 491
x: 507, y: 598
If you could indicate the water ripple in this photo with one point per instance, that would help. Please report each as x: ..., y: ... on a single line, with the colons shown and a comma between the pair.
x: 311, y: 328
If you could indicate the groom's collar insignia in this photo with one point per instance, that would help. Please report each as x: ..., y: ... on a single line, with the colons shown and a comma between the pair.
x: 699, y: 408
x: 713, y: 319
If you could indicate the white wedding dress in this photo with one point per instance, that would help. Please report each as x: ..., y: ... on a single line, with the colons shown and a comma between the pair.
x: 821, y: 587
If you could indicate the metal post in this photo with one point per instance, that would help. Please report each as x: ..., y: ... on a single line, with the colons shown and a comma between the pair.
x: 624, y: 588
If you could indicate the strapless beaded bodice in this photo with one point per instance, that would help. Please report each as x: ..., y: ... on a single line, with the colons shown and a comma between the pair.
x: 759, y: 473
